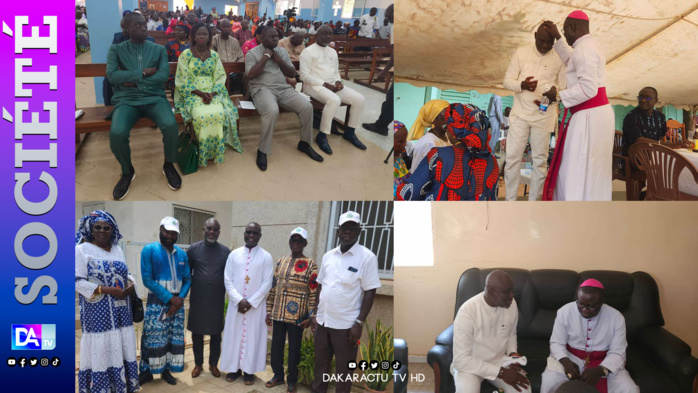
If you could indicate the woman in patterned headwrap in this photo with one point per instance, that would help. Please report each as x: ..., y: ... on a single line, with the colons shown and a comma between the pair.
x: 466, y: 171
x: 108, y: 344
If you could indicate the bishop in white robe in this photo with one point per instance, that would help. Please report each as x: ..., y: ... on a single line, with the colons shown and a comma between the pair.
x: 599, y: 341
x: 583, y: 171
x: 249, y: 272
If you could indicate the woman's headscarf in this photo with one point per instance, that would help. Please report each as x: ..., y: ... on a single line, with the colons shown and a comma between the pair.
x: 85, y: 227
x: 427, y: 114
x: 396, y: 126
x: 468, y: 124
x: 183, y: 25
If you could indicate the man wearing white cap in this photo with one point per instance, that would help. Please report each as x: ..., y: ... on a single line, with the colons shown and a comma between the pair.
x: 588, y: 344
x: 348, y: 280
x: 248, y: 276
x: 581, y: 167
x: 293, y: 294
x: 165, y: 272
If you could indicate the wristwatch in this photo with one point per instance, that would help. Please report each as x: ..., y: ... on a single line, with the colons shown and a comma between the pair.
x: 361, y: 323
x: 267, y: 55
x: 143, y: 74
x: 605, y: 371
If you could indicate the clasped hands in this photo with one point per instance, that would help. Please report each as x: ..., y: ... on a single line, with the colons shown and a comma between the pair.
x: 512, y: 376
x: 177, y: 304
x: 333, y: 88
x: 244, y: 306
x: 591, y: 375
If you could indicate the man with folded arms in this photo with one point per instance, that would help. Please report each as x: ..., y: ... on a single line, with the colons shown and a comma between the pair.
x: 321, y: 80
x: 484, y: 336
x: 588, y: 344
x: 267, y: 67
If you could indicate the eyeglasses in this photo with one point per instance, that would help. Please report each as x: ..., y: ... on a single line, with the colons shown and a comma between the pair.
x: 645, y: 98
x: 252, y: 233
x: 297, y: 241
x: 105, y: 228
x: 588, y: 306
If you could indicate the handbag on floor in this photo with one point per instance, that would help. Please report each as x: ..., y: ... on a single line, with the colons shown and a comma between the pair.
x: 187, y: 154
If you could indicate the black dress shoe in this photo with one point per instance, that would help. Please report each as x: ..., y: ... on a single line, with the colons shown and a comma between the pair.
x: 274, y: 382
x: 174, y: 181
x: 305, y: 148
x: 291, y: 387
x: 321, y: 140
x: 261, y: 161
x: 144, y: 377
x: 168, y: 377
x: 354, y: 141
x: 374, y: 128
x: 123, y: 185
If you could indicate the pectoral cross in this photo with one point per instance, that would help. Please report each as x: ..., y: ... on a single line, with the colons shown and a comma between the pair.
x: 586, y: 361
x: 247, y: 281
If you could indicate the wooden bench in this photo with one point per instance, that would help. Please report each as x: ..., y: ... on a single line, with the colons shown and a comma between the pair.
x: 94, y: 118
x: 378, y: 54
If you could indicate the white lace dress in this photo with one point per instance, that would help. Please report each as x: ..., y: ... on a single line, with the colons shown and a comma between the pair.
x: 108, y: 344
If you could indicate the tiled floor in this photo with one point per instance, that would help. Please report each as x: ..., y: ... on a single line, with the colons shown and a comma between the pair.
x: 205, y: 383
x: 348, y: 174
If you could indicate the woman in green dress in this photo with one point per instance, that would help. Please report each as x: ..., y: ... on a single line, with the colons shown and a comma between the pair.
x: 202, y: 98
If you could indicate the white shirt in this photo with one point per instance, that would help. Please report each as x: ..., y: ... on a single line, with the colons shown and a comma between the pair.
x: 586, y: 69
x: 297, y: 29
x: 367, y: 25
x: 345, y: 278
x: 605, y: 332
x: 482, y: 336
x: 547, y: 69
x: 319, y: 65
x: 312, y: 30
x: 153, y: 25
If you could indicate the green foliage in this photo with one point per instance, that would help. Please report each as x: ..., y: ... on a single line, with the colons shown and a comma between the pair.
x: 378, y: 348
x: 306, y: 366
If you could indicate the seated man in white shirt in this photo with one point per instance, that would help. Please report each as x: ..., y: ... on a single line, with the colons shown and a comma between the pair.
x: 348, y: 280
x: 484, y: 334
x: 588, y: 344
x: 319, y: 69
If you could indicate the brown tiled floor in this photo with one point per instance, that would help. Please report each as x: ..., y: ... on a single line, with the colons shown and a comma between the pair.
x: 348, y: 174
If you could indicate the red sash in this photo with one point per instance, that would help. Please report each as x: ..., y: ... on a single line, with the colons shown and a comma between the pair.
x: 595, y: 359
x: 549, y: 187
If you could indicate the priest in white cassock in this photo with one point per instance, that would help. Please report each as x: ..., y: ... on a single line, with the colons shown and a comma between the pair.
x: 249, y: 272
x: 533, y: 70
x: 581, y: 166
x: 588, y: 344
x: 484, y: 339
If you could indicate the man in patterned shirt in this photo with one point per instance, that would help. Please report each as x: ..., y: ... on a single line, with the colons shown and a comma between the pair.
x: 292, y: 294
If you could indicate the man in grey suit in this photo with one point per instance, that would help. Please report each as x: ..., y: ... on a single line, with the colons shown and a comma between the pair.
x: 267, y: 68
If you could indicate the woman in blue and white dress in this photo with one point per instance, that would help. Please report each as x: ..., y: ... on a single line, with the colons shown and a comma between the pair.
x: 108, y: 344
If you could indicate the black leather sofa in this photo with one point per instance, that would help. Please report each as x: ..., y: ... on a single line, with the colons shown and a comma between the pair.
x: 402, y: 375
x: 658, y: 361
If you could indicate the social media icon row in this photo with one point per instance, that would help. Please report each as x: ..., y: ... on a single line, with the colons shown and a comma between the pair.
x: 33, y: 362
x: 373, y: 365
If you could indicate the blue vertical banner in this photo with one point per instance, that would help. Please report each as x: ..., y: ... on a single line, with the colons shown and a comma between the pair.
x: 37, y: 195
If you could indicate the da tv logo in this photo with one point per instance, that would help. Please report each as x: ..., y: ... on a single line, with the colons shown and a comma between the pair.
x: 33, y: 337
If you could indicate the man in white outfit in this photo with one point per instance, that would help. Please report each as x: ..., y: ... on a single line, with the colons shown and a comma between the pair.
x: 319, y: 69
x: 588, y: 344
x: 582, y: 165
x: 248, y: 276
x: 533, y: 70
x: 484, y: 334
